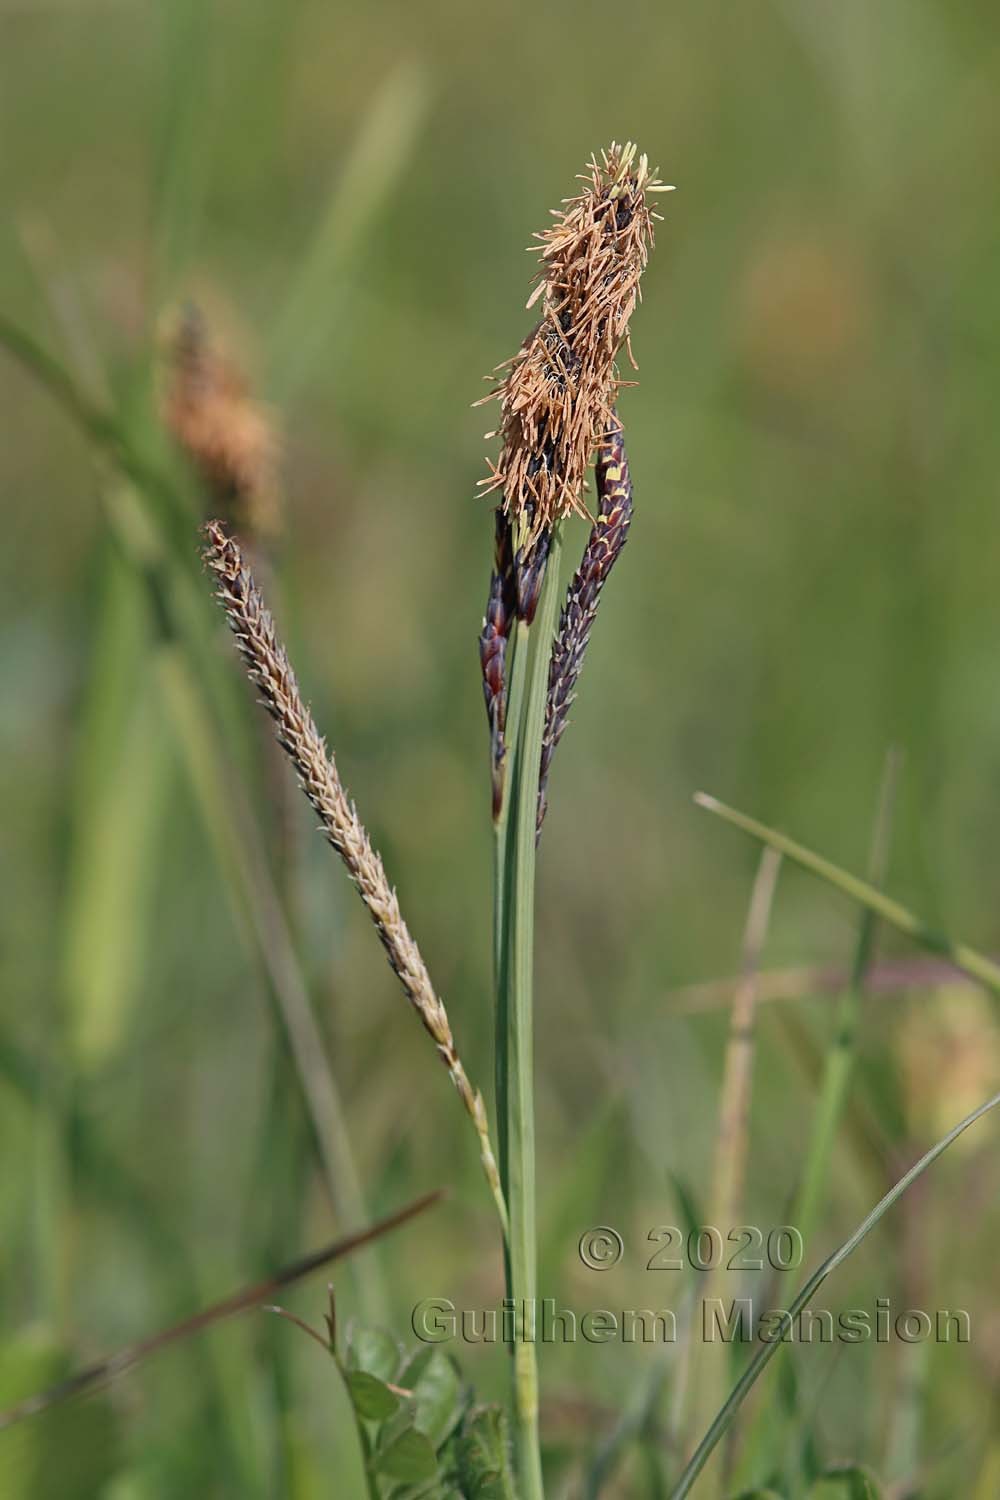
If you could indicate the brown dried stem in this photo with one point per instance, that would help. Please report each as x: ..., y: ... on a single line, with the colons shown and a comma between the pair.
x: 269, y: 667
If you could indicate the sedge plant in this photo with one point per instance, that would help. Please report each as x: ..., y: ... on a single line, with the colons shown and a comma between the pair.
x: 559, y: 415
x: 558, y: 400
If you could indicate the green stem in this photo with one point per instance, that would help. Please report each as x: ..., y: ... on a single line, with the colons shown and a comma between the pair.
x: 840, y: 1057
x: 514, y: 948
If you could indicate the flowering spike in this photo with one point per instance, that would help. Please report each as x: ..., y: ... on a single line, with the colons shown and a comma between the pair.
x: 607, y: 538
x: 558, y: 393
x: 501, y: 612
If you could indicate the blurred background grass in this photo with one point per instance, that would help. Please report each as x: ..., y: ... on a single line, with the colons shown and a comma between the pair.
x: 347, y: 193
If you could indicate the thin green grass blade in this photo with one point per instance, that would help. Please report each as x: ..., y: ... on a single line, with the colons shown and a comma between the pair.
x: 110, y: 436
x: 733, y: 1133
x: 315, y: 302
x: 768, y: 1350
x: 840, y: 1057
x: 123, y: 765
x: 960, y: 954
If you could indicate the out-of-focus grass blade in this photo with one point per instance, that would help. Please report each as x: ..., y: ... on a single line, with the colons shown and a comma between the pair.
x: 628, y: 1430
x: 893, y: 912
x: 777, y: 1437
x: 155, y: 539
x: 378, y: 157
x: 123, y: 761
x: 104, y: 1183
x: 712, y: 1373
x: 907, y: 1424
x: 182, y: 160
x: 110, y: 436
x: 767, y: 1351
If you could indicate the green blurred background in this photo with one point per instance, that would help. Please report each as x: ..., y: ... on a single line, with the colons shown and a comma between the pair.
x: 346, y: 191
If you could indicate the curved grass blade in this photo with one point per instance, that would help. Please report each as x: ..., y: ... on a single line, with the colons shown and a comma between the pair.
x: 893, y: 912
x: 767, y: 1351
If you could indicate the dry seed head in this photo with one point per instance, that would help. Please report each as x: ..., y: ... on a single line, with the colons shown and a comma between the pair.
x: 230, y: 438
x: 268, y: 666
x: 559, y: 390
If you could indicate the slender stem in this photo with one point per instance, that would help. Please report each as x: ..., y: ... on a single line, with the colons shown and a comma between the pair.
x: 840, y: 1057
x: 732, y: 1139
x: 779, y: 1434
x: 734, y: 1112
x: 893, y: 912
x: 515, y: 962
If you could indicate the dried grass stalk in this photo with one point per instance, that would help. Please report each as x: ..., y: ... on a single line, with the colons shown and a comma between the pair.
x: 229, y: 437
x: 559, y: 390
x: 269, y: 667
x: 607, y: 538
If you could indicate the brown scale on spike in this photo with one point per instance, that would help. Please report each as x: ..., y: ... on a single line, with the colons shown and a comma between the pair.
x: 501, y: 614
x: 607, y: 538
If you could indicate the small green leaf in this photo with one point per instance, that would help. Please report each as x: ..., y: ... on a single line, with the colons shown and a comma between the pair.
x: 848, y: 1483
x: 758, y: 1495
x: 374, y: 1350
x: 371, y: 1397
x: 409, y: 1457
x: 483, y: 1455
x: 434, y: 1381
